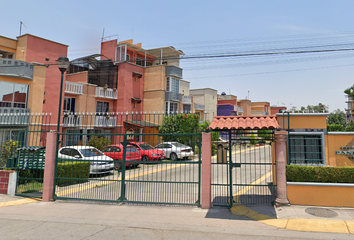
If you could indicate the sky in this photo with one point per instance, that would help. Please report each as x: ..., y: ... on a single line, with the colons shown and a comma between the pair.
x: 215, y: 28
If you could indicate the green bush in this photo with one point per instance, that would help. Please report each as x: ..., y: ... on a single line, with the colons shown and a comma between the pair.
x: 213, y: 149
x: 72, y: 172
x: 296, y: 173
x: 196, y: 150
x: 253, y: 139
x: 99, y: 142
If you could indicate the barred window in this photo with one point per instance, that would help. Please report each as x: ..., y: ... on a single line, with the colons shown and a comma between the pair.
x: 306, y: 149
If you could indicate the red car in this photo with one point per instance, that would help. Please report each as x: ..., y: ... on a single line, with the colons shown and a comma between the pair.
x: 148, y: 153
x: 116, y: 153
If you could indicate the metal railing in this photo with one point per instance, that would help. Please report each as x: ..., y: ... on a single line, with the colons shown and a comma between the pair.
x: 198, y: 106
x: 173, y: 96
x: 187, y: 100
x: 73, y: 88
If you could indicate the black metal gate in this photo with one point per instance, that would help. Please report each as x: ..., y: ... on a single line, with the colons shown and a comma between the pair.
x: 243, y: 172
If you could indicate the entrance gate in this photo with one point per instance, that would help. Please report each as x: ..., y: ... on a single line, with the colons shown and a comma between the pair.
x: 143, y: 180
x: 245, y: 175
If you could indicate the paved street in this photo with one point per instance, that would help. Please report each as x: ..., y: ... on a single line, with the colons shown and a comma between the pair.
x: 76, y: 220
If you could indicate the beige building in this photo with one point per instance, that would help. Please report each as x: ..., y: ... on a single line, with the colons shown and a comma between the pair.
x: 205, y: 102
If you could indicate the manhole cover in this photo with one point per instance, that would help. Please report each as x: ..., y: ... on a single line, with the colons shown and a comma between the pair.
x: 321, y: 212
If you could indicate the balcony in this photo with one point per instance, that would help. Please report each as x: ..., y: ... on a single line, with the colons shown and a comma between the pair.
x: 108, y: 93
x: 187, y: 100
x: 73, y: 88
x: 15, y: 68
x: 198, y: 106
x: 174, y: 71
x: 11, y: 116
x: 350, y: 99
x: 239, y: 109
x: 105, y: 121
x: 173, y: 96
x: 71, y: 120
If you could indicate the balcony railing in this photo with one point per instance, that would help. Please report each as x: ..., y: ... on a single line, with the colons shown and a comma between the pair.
x: 198, y: 106
x: 187, y: 100
x: 15, y: 68
x: 18, y: 116
x: 173, y: 96
x: 239, y: 109
x: 174, y: 71
x: 106, y: 93
x: 71, y: 120
x: 73, y: 88
x: 105, y: 121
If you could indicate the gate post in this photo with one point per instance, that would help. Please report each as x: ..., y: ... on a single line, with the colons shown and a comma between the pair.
x: 280, y: 159
x: 49, y: 167
x: 206, y: 171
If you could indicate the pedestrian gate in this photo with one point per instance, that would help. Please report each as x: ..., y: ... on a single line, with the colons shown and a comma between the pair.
x: 244, y: 171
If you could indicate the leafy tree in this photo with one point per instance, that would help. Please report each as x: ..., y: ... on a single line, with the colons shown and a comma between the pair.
x: 264, y: 133
x: 8, y: 150
x: 99, y: 142
x: 350, y: 91
x: 214, y: 135
x: 337, y: 117
x: 311, y: 108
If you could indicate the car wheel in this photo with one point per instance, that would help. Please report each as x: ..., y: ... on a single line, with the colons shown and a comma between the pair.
x: 145, y: 159
x: 220, y: 146
x: 173, y: 156
x: 117, y: 165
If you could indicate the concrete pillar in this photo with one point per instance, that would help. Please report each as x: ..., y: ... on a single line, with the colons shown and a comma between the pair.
x: 206, y: 171
x: 49, y: 167
x: 280, y: 159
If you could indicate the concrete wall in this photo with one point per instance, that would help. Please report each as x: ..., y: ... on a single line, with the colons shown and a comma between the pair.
x: 208, y: 97
x: 335, y: 142
x: 184, y: 87
x: 246, y: 105
x: 303, y: 120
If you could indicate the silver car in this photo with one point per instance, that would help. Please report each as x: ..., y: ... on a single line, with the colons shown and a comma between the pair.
x: 100, y: 163
x: 175, y: 150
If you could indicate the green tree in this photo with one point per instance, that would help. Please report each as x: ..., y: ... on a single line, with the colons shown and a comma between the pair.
x: 214, y: 135
x: 99, y: 142
x: 8, y: 150
x: 350, y: 91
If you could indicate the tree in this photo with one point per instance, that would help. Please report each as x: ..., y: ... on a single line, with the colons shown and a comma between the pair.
x: 214, y: 135
x: 350, y: 91
x: 337, y: 117
x: 182, y: 123
x: 319, y: 108
x: 99, y: 142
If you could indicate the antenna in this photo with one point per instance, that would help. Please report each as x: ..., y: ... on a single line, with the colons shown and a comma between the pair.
x: 22, y: 23
x: 102, y: 35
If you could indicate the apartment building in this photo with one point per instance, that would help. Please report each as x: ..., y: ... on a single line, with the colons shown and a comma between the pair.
x: 205, y: 102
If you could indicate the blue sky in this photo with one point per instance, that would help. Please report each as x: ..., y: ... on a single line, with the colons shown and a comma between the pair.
x: 214, y: 27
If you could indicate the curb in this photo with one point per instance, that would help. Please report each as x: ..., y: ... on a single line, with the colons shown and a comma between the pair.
x: 296, y: 224
x: 18, y: 202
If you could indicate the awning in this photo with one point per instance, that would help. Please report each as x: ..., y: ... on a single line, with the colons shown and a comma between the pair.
x: 244, y: 122
x: 141, y: 123
x: 138, y: 100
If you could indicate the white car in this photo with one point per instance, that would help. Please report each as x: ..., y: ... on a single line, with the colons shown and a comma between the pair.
x: 100, y: 163
x: 175, y: 150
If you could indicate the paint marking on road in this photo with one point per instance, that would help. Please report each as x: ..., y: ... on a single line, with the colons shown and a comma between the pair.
x: 18, y: 202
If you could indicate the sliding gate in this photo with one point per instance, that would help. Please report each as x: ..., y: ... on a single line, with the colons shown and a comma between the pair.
x: 244, y: 171
x: 150, y: 179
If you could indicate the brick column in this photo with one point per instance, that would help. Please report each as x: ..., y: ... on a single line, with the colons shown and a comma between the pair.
x: 280, y: 159
x: 49, y: 167
x: 206, y: 171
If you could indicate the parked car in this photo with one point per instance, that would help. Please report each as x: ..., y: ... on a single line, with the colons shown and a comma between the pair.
x: 221, y: 143
x: 175, y: 150
x: 100, y: 163
x: 116, y: 152
x: 148, y: 152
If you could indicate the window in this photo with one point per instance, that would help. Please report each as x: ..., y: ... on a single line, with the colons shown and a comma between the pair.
x: 172, y: 84
x: 69, y: 105
x: 127, y: 58
x: 13, y: 95
x: 102, y: 107
x: 134, y: 105
x: 186, y: 108
x: 306, y: 148
x: 171, y: 107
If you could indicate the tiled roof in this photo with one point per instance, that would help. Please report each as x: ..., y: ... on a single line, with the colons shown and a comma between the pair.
x: 244, y: 122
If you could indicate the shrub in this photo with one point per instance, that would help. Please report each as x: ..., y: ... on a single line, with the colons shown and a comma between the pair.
x: 99, y: 142
x: 213, y: 149
x: 73, y: 172
x: 196, y: 150
x: 253, y: 139
x: 296, y: 173
x: 8, y: 150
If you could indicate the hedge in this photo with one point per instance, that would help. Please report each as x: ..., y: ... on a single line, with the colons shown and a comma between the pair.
x: 296, y: 173
x: 72, y: 172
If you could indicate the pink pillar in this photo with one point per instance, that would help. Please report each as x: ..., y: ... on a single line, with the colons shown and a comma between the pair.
x: 206, y: 171
x: 280, y: 159
x: 49, y: 167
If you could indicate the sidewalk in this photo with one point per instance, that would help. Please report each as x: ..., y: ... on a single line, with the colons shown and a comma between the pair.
x: 84, y: 220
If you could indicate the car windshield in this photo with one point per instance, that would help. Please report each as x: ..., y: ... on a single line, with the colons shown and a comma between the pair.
x: 146, y: 146
x: 90, y: 152
x: 132, y: 149
x: 177, y: 144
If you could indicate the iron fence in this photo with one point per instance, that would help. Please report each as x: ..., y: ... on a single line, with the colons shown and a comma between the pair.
x: 147, y: 171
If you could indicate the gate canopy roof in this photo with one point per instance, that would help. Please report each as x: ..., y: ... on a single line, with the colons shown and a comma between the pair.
x: 244, y: 122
